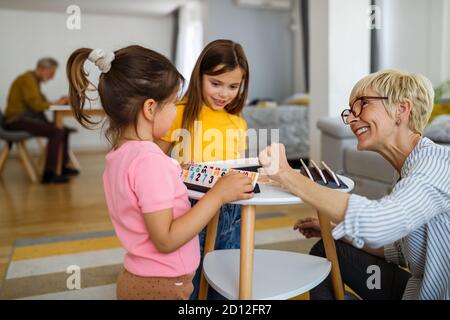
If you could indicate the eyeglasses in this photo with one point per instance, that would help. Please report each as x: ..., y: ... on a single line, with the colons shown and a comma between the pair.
x: 357, y: 107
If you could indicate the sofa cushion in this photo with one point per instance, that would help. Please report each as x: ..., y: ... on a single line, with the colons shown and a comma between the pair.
x: 368, y: 164
x: 439, y: 129
x: 369, y: 188
x: 335, y: 128
x: 292, y: 123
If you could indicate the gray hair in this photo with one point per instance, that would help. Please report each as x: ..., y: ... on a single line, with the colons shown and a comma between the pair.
x: 47, y: 63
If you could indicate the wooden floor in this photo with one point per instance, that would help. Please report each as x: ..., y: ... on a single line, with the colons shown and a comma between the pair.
x: 30, y: 210
x: 34, y: 210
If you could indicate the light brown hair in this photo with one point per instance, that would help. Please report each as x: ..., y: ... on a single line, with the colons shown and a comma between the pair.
x: 216, y: 53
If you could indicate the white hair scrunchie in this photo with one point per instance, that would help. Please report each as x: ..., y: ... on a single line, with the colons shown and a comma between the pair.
x: 102, y: 59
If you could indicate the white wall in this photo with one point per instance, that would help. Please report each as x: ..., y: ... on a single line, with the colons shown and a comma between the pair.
x: 266, y: 38
x: 339, y: 57
x: 349, y: 51
x: 415, y: 36
x: 27, y: 36
x: 447, y: 36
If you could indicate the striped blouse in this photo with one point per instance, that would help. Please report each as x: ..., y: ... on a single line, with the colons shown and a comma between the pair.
x: 412, y: 222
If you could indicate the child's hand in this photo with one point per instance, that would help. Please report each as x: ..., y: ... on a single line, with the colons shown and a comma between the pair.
x: 186, y: 165
x: 233, y: 186
x: 309, y: 227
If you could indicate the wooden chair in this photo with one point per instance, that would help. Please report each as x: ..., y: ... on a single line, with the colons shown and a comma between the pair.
x: 18, y: 138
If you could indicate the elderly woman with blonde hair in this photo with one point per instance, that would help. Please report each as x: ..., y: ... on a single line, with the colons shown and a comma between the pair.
x: 406, y: 233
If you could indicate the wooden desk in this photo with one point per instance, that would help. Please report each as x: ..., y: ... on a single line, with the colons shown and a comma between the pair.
x: 59, y: 113
x: 223, y: 280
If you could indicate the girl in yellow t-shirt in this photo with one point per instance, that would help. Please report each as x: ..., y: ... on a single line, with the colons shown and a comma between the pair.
x: 208, y: 127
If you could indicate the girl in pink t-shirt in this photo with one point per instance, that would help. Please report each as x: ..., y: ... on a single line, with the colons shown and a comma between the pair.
x: 147, y: 201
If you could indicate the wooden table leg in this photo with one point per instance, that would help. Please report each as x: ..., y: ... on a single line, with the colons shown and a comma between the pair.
x: 210, y: 242
x: 58, y: 121
x: 330, y: 251
x: 247, y: 251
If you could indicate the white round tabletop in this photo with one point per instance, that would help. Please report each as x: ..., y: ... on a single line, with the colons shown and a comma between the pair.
x: 272, y: 195
x: 277, y: 274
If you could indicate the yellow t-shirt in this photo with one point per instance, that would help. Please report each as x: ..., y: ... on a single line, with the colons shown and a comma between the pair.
x: 216, y: 135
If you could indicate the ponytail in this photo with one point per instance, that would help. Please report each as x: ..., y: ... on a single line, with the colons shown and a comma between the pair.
x: 136, y: 74
x: 78, y: 85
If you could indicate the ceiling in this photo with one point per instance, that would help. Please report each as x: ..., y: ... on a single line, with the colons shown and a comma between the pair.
x: 120, y: 7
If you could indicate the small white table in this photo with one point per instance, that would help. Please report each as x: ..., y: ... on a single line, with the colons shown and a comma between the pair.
x: 275, y: 274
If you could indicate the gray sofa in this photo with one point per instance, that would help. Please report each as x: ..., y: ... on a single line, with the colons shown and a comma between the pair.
x: 292, y: 123
x: 372, y: 174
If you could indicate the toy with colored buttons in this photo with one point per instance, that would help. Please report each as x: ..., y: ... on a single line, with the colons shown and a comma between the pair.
x: 201, y: 177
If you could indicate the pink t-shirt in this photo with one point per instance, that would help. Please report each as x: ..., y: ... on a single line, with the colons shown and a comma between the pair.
x: 140, y: 179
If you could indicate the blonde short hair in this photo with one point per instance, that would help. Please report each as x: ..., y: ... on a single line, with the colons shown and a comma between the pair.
x: 397, y: 86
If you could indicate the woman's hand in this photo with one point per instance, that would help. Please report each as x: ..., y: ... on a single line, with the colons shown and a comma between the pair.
x: 309, y: 227
x: 273, y: 159
x: 233, y: 186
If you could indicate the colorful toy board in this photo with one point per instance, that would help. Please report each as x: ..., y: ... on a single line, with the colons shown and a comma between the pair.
x: 202, y: 177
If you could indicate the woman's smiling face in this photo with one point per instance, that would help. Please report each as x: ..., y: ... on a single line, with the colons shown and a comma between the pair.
x: 219, y: 90
x: 374, y: 126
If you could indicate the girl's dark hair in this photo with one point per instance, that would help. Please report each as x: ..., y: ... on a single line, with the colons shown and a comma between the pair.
x: 219, y: 52
x: 136, y: 74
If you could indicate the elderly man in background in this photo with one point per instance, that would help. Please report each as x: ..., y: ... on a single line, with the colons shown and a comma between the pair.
x: 25, y: 112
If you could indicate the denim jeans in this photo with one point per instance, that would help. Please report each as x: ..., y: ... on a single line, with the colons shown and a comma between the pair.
x: 228, y: 237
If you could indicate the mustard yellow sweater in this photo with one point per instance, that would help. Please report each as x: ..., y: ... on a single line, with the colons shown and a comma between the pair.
x: 25, y: 95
